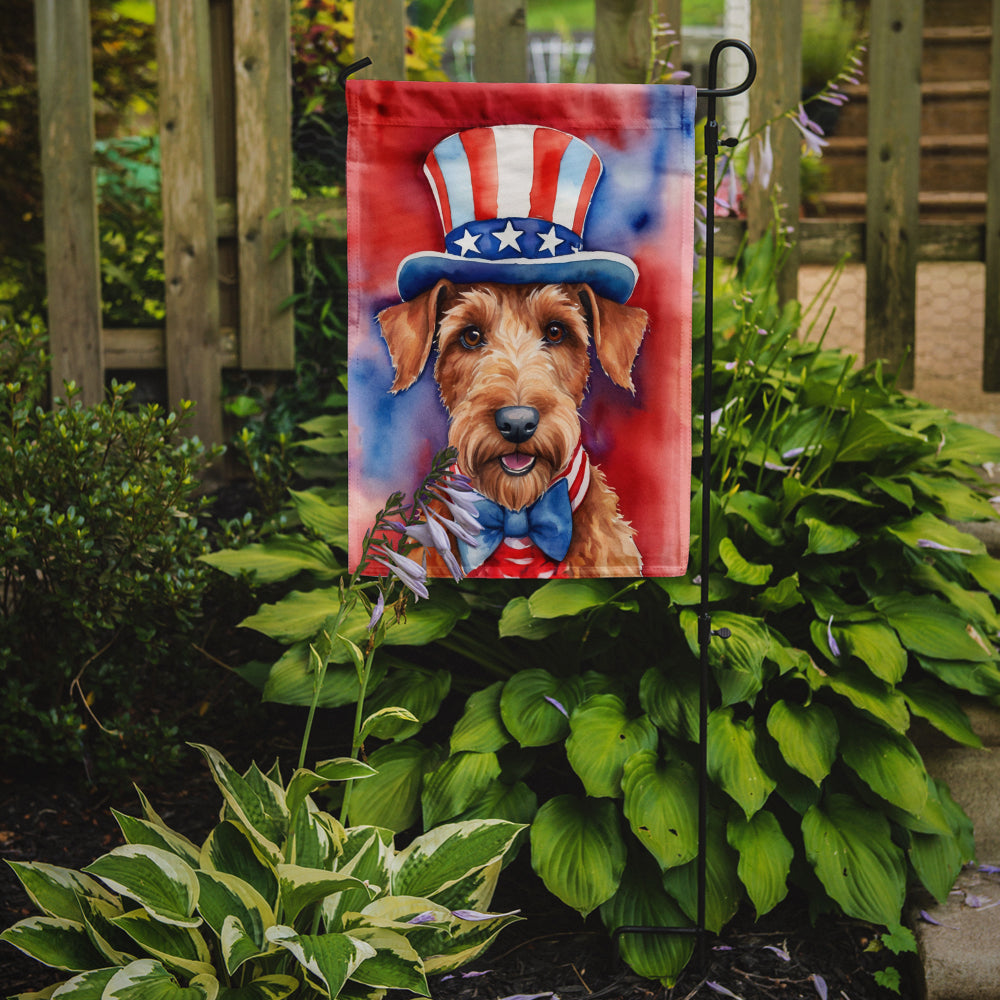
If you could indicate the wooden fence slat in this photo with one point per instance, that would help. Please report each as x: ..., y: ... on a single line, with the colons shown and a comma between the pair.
x: 262, y: 61
x: 776, y: 36
x: 621, y: 40
x: 190, y: 252
x: 501, y: 41
x: 380, y: 34
x: 893, y: 184
x: 991, y: 331
x: 72, y: 255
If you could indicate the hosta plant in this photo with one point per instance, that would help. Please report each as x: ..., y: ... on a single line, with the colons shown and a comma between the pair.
x: 279, y: 900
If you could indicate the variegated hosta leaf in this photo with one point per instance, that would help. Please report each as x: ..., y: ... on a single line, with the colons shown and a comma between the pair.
x: 535, y: 706
x: 602, y: 737
x: 642, y: 902
x: 86, y: 986
x: 301, y: 887
x: 765, y: 858
x: 230, y: 849
x: 56, y: 891
x: 456, y: 784
x: 177, y: 947
x: 723, y: 889
x: 147, y: 979
x: 274, y: 987
x: 888, y: 763
x: 225, y: 897
x: 476, y: 890
x: 807, y: 736
x: 441, y: 857
x: 98, y: 915
x: 850, y: 847
x: 391, y: 799
x: 141, y: 831
x: 466, y: 941
x: 732, y: 760
x: 256, y: 801
x: 481, y: 727
x: 367, y: 853
x: 329, y: 959
x: 395, y: 964
x: 315, y: 838
x: 304, y: 782
x: 54, y: 941
x: 158, y: 880
x: 578, y: 851
x: 661, y: 805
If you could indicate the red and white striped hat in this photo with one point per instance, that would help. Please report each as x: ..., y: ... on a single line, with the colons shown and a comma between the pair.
x: 513, y: 200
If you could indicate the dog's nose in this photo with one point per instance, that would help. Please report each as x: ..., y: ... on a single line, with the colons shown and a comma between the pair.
x: 516, y: 423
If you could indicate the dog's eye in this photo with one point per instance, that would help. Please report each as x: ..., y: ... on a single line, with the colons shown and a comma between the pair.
x: 472, y: 337
x: 555, y: 333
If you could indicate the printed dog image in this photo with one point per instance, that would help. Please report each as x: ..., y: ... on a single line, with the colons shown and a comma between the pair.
x: 512, y: 369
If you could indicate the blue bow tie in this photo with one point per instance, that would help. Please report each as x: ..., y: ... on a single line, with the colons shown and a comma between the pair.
x: 548, y: 522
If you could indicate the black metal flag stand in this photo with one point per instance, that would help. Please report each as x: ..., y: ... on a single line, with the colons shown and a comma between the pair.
x: 705, y: 631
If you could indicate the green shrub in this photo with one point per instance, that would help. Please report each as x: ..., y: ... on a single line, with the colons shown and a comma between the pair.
x: 280, y: 899
x: 101, y: 584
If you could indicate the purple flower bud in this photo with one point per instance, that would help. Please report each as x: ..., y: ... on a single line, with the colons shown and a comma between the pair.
x: 558, y: 705
x: 834, y: 648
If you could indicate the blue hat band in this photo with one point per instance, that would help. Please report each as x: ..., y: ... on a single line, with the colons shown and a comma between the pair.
x: 510, y: 239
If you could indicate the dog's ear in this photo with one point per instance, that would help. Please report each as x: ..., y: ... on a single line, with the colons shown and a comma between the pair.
x: 618, y: 331
x: 408, y: 330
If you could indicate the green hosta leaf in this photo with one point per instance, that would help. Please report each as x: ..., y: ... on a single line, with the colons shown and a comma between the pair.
x: 661, y: 799
x: 807, y: 736
x: 975, y: 605
x: 292, y: 681
x: 671, y: 700
x: 937, y: 860
x: 559, y: 598
x: 751, y: 574
x: 738, y: 661
x: 941, y: 709
x: 578, y: 851
x: 279, y: 558
x: 888, y: 763
x: 395, y: 964
x: 758, y: 511
x: 928, y: 528
x: 870, y: 435
x: 274, y: 987
x: 226, y: 898
x: 850, y: 847
x: 765, y: 858
x: 327, y: 520
x: 683, y: 592
x: 641, y: 901
x: 535, y: 706
x: 517, y: 620
x: 976, y: 678
x: 893, y: 488
x: 301, y: 887
x: 56, y: 891
x: 141, y: 831
x: 481, y: 728
x: 180, y: 948
x: 783, y: 595
x: 865, y: 692
x: 732, y: 760
x: 456, y: 784
x: 260, y: 809
x: 986, y: 572
x: 931, y: 628
x: 159, y: 881
x: 147, y: 979
x: 418, y: 691
x: 876, y: 646
x: 965, y: 443
x: 516, y: 803
x: 230, y: 849
x: 391, y: 798
x: 723, y: 889
x: 330, y: 959
x: 54, y: 941
x: 957, y: 501
x: 438, y: 859
x: 602, y: 738
x: 828, y: 539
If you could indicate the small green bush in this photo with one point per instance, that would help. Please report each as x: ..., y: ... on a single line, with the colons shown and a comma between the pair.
x: 99, y: 578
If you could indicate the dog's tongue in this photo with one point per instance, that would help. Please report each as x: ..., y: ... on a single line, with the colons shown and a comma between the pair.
x: 517, y: 461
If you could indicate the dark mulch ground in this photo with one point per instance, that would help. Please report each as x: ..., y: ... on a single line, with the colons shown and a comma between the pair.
x: 551, y: 951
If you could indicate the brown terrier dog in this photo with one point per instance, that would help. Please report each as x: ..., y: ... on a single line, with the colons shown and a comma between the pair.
x: 512, y: 370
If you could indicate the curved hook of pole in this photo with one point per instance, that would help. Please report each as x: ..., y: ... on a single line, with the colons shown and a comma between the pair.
x: 353, y: 68
x: 713, y: 69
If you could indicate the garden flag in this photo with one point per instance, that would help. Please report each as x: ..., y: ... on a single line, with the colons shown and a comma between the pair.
x: 520, y: 261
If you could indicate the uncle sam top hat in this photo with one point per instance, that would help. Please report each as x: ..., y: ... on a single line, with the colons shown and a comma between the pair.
x: 513, y: 200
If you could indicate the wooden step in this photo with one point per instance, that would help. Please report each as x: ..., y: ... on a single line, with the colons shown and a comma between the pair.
x: 956, y: 53
x: 956, y: 206
x: 945, y: 12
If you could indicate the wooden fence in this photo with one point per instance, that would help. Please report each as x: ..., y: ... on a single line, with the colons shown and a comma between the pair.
x: 226, y: 161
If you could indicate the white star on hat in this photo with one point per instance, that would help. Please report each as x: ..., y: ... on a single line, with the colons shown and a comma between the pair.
x: 509, y: 237
x: 550, y: 241
x: 468, y: 243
